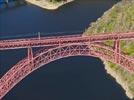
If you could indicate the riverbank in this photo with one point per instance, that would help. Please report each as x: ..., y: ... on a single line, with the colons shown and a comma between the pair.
x: 48, y: 5
x: 118, y: 79
x: 120, y: 18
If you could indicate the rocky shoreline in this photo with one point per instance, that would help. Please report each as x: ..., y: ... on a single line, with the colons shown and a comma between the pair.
x: 118, y: 79
x: 111, y: 21
x: 48, y: 5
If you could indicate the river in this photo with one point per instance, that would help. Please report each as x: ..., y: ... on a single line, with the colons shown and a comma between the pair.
x: 73, y: 78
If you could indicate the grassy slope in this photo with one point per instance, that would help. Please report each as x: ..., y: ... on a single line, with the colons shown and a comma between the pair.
x: 54, y: 1
x: 120, y: 18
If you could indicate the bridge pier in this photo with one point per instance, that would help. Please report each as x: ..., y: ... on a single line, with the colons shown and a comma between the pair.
x: 117, y: 50
x: 30, y: 54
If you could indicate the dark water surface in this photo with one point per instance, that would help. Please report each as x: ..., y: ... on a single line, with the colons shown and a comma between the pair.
x: 73, y: 78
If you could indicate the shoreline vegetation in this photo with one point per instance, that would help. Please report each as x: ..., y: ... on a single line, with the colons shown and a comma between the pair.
x: 118, y: 79
x: 120, y: 18
x: 49, y: 4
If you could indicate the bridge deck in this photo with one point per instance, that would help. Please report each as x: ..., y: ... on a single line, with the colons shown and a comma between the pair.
x: 56, y: 40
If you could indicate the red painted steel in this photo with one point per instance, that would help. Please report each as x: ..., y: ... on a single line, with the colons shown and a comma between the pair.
x: 117, y: 50
x: 64, y: 40
x: 60, y: 47
x: 30, y: 54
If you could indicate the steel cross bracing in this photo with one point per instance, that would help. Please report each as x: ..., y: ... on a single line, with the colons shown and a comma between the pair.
x: 54, y: 48
x: 64, y: 40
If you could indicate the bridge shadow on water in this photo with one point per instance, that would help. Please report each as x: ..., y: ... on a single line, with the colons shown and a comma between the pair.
x: 73, y: 78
